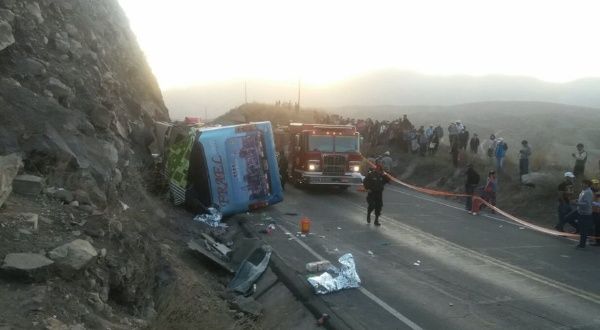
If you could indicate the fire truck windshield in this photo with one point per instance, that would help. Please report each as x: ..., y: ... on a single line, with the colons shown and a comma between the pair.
x: 323, y: 143
x: 346, y: 143
x: 327, y: 143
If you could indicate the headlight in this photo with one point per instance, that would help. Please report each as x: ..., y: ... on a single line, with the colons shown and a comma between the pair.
x: 354, y: 166
x: 313, y: 165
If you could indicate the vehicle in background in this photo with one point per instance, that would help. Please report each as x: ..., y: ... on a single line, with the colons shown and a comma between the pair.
x: 322, y: 154
x: 232, y: 168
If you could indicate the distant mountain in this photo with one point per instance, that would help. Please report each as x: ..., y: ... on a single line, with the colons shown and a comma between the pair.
x: 386, y: 87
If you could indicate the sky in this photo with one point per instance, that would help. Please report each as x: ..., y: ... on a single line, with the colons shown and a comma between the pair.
x: 197, y: 42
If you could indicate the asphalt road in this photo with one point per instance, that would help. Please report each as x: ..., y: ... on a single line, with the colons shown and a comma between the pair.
x: 433, y: 266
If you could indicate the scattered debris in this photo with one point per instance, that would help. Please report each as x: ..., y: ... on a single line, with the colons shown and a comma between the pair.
x: 318, y: 266
x: 450, y: 304
x: 291, y: 213
x: 223, y: 251
x: 417, y: 263
x: 212, y: 219
x: 370, y: 252
x: 124, y: 206
x: 337, y: 279
x: 199, y: 248
x: 250, y: 270
x: 269, y: 229
x: 339, y: 228
x: 321, y: 321
x: 521, y: 227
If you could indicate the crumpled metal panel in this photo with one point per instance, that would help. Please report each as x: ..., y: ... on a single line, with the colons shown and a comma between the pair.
x: 336, y: 279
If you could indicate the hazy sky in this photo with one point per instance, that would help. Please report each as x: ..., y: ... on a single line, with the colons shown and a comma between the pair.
x: 198, y: 42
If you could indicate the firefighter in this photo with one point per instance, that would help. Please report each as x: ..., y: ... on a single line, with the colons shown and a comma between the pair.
x: 374, y: 183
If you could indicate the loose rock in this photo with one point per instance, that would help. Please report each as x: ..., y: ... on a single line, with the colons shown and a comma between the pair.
x: 27, y: 266
x: 73, y: 257
x: 6, y: 35
x: 9, y: 167
x: 28, y: 184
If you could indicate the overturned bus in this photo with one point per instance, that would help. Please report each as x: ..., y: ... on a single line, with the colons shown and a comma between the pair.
x: 231, y: 168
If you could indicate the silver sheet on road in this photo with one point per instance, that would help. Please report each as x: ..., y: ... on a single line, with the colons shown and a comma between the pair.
x: 336, y: 279
x: 212, y: 219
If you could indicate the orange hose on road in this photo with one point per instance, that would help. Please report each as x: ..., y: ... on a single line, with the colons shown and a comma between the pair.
x: 522, y: 222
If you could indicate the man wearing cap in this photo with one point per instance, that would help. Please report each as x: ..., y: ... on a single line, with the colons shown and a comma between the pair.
x: 374, y: 183
x: 565, y: 194
x: 583, y: 214
x: 386, y: 161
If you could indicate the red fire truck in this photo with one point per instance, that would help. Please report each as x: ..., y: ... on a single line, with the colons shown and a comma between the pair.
x: 322, y: 154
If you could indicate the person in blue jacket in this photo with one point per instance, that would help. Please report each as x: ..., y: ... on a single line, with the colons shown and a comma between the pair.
x: 500, y: 153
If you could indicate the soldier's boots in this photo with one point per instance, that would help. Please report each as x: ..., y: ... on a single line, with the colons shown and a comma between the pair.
x: 377, y: 223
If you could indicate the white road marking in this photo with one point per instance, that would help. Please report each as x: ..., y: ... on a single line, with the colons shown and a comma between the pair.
x: 364, y: 291
x: 592, y: 297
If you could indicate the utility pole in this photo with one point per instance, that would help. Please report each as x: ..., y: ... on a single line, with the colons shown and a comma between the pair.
x: 298, y: 106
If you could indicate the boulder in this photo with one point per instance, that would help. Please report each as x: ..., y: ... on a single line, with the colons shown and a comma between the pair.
x: 61, y: 42
x: 58, y: 88
x: 82, y: 197
x: 30, y: 67
x: 27, y: 266
x: 64, y: 195
x: 539, y: 179
x: 9, y: 167
x: 6, y: 35
x: 34, y: 10
x: 7, y: 16
x: 28, y: 185
x: 73, y: 257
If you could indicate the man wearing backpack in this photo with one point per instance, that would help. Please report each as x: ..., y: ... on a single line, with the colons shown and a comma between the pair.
x: 374, y: 183
x: 470, y: 184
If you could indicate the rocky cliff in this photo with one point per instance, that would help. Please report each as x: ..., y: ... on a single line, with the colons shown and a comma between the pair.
x: 77, y: 98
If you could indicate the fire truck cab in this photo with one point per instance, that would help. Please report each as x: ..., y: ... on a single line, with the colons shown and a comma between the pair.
x: 324, y: 154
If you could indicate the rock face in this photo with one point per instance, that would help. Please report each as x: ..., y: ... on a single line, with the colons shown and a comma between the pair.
x: 74, y: 90
x: 73, y: 257
x: 28, y: 266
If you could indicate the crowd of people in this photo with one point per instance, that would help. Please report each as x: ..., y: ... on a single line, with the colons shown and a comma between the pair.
x: 582, y: 213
